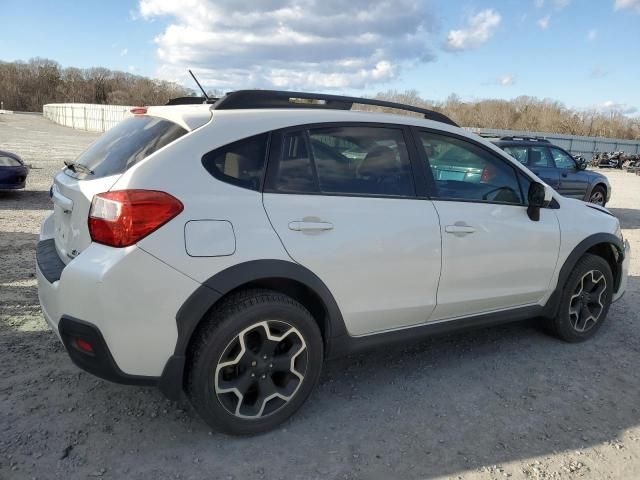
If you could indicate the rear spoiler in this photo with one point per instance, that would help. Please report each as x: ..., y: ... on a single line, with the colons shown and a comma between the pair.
x: 190, y: 101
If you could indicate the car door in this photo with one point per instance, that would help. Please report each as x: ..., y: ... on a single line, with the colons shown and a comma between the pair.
x: 493, y: 256
x: 573, y: 182
x: 343, y: 202
x: 541, y: 164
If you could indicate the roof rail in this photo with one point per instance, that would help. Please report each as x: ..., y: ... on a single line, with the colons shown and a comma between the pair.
x: 245, y: 99
x: 190, y: 101
x: 525, y: 139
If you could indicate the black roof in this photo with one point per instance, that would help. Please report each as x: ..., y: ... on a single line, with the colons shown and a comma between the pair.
x: 248, y: 99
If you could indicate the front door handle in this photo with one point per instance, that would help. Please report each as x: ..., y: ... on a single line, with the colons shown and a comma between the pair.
x: 564, y: 174
x: 310, y: 226
x: 459, y: 230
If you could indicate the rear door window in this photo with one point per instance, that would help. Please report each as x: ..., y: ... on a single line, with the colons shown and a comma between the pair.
x: 125, y: 144
x: 362, y: 160
x: 239, y: 163
x: 519, y: 153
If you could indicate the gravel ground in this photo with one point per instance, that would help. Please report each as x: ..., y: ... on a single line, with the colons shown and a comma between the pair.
x: 493, y: 403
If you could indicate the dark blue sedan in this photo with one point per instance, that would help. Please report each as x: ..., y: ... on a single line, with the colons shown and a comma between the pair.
x: 13, y: 171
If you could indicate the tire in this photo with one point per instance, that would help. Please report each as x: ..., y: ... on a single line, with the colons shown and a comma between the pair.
x: 598, y: 195
x: 254, y: 362
x: 572, y: 323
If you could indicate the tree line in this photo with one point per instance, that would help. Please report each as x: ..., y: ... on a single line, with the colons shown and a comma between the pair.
x: 27, y: 86
x: 526, y: 113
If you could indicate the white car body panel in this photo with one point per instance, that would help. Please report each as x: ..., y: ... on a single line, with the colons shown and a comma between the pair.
x: 381, y: 257
x: 507, y: 261
x: 111, y: 288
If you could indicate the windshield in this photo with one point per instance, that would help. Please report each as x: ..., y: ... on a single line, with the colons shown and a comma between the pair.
x: 125, y: 144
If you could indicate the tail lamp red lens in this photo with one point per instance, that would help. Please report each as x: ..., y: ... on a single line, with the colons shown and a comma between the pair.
x: 138, y: 110
x: 124, y: 217
x: 83, y: 345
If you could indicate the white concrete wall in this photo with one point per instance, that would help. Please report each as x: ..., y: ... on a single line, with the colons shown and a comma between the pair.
x: 86, y: 116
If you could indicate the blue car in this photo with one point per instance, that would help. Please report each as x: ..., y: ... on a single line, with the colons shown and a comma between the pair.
x: 557, y: 168
x: 13, y: 171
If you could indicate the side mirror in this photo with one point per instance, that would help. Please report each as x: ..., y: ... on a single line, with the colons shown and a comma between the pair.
x: 582, y: 164
x: 539, y: 197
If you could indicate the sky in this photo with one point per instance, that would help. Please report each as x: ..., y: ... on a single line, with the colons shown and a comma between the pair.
x: 583, y: 53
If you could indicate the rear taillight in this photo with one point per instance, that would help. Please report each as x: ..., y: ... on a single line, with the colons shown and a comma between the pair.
x: 138, y: 110
x: 124, y: 217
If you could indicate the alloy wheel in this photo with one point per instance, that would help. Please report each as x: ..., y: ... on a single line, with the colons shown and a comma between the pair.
x: 261, y: 369
x: 597, y: 197
x: 586, y: 305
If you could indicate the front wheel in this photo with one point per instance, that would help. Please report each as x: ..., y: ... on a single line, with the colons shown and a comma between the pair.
x: 598, y: 196
x: 254, y: 363
x: 585, y: 300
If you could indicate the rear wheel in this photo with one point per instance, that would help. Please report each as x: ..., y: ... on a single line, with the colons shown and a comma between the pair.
x: 254, y: 363
x: 598, y: 195
x: 585, y: 301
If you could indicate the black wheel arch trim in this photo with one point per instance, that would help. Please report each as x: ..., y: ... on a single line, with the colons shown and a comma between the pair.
x: 213, y: 289
x: 572, y: 259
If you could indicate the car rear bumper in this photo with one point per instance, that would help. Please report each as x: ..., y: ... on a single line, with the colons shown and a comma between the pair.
x: 127, y: 296
x: 625, y: 272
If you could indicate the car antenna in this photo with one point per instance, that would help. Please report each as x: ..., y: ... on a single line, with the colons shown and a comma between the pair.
x: 206, y: 97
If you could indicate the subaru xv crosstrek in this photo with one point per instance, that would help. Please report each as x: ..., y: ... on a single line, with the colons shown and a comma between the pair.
x: 225, y: 251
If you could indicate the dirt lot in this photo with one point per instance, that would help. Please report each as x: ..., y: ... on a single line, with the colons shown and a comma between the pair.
x: 494, y: 403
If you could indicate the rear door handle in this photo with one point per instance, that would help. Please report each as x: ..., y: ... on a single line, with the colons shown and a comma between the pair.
x: 459, y: 230
x: 310, y: 226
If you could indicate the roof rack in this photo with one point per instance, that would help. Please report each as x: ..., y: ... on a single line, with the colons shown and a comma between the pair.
x: 191, y: 101
x: 525, y: 139
x: 245, y: 99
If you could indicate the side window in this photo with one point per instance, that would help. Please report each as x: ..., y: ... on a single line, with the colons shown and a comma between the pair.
x: 361, y: 160
x: 464, y: 171
x: 294, y: 171
x: 540, y: 157
x: 519, y: 153
x: 562, y: 159
x: 239, y: 163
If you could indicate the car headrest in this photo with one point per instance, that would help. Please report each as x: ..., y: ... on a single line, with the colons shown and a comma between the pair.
x: 380, y: 161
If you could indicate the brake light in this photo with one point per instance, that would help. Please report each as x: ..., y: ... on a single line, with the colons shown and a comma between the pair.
x: 124, y: 217
x: 139, y: 110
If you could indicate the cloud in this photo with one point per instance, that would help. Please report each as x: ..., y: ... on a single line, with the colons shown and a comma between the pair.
x: 561, y: 4
x: 479, y: 29
x: 543, y: 23
x: 622, y: 4
x: 612, y: 107
x: 124, y: 51
x: 592, y: 34
x: 557, y: 4
x: 294, y: 44
x: 598, y: 72
x: 507, y: 80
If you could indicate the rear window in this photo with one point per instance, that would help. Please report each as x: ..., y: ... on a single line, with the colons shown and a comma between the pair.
x: 126, y: 144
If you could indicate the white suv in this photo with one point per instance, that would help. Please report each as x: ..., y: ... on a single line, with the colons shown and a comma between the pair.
x: 226, y: 250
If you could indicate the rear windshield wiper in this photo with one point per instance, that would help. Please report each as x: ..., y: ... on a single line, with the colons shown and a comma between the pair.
x: 78, y: 167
